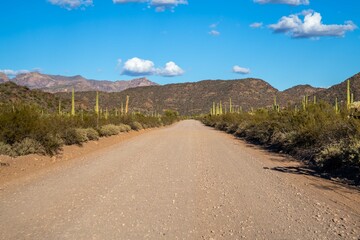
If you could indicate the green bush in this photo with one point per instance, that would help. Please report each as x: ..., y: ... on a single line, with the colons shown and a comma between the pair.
x: 124, y: 127
x: 92, y: 134
x: 28, y: 146
x: 109, y: 130
x: 5, y: 149
x: 136, y: 126
x: 75, y: 136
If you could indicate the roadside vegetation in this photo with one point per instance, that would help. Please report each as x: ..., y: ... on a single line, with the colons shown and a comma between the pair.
x: 326, y: 136
x: 26, y: 129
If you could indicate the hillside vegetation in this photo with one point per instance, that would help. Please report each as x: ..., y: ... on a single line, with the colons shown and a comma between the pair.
x: 192, y: 98
x: 196, y: 98
x: 10, y: 93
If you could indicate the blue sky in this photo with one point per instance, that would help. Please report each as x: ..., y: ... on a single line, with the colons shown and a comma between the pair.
x: 285, y: 42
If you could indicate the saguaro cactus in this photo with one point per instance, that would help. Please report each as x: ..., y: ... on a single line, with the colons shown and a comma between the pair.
x: 59, y: 107
x: 305, y: 102
x: 336, y: 106
x: 97, y: 104
x: 73, y: 102
x: 127, y: 104
x: 348, y: 95
x: 122, y: 108
x: 106, y: 113
x: 230, y: 106
x: 214, y: 108
x: 276, y: 107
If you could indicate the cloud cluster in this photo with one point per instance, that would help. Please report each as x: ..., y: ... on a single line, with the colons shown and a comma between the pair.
x: 12, y: 73
x: 140, y: 67
x: 310, y: 27
x: 72, y: 4
x: 160, y: 5
x: 289, y: 2
x: 241, y: 70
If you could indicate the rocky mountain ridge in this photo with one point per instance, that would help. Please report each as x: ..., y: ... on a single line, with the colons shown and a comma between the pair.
x: 57, y: 83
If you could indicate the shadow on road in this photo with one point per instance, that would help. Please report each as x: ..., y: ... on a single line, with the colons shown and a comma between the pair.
x: 307, y: 171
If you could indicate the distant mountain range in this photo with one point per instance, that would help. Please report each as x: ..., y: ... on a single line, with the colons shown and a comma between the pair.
x: 57, y: 83
x: 3, y: 78
x: 197, y: 97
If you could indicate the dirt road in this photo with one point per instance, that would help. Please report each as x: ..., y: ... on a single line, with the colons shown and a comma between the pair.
x: 182, y: 182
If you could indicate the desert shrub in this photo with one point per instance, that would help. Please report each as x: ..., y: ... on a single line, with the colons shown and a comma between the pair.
x: 231, y: 128
x: 28, y: 146
x: 92, y: 134
x: 109, y: 130
x: 124, y: 127
x: 75, y: 136
x: 52, y: 142
x: 338, y: 155
x: 136, y: 126
x: 18, y: 122
x: 169, y: 117
x: 5, y: 149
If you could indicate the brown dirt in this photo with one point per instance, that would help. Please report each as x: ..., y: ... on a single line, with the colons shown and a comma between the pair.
x: 187, y: 181
x: 26, y: 167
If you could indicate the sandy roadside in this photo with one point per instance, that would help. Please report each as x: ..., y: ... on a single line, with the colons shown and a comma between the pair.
x: 26, y: 167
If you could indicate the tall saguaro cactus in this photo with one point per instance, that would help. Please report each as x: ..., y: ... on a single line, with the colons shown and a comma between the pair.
x: 106, y: 114
x: 59, y: 107
x: 276, y: 106
x: 127, y: 104
x: 230, y: 106
x: 73, y: 102
x: 336, y: 106
x: 348, y: 95
x: 305, y: 102
x: 214, y: 108
x: 97, y: 104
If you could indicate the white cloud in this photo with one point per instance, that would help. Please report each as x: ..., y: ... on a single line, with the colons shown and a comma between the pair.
x: 310, y: 27
x: 289, y: 2
x: 160, y: 5
x: 10, y: 72
x: 171, y: 70
x: 140, y: 67
x: 71, y: 4
x: 214, y: 25
x: 256, y: 25
x: 214, y: 33
x: 241, y: 70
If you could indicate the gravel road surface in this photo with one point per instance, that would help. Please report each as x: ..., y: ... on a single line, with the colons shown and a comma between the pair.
x: 186, y: 181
